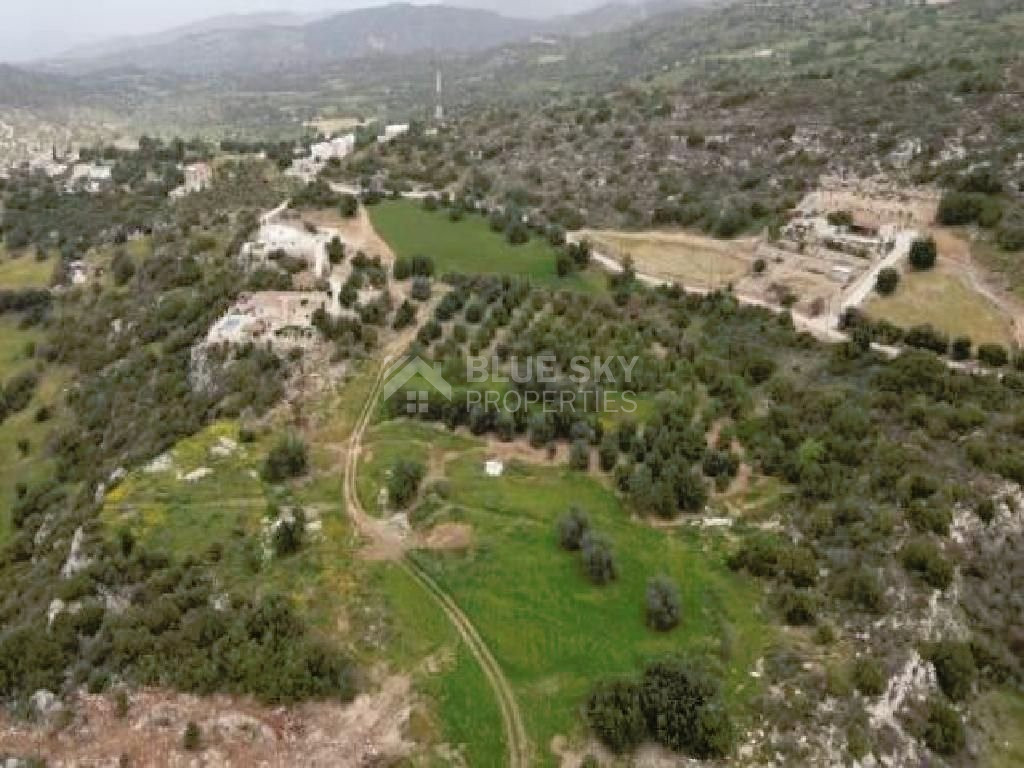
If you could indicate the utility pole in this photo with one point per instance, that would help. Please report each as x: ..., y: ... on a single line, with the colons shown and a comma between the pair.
x: 439, y: 109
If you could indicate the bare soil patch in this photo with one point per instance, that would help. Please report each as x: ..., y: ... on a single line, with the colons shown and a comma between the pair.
x: 450, y: 537
x: 357, y: 231
x: 234, y: 732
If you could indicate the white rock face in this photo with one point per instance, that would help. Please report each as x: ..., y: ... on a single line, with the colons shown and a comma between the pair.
x: 77, y: 560
x: 45, y: 703
x: 55, y: 610
x: 196, y: 475
x: 224, y: 448
x: 162, y: 463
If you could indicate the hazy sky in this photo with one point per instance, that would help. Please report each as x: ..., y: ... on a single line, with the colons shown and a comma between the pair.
x: 32, y: 29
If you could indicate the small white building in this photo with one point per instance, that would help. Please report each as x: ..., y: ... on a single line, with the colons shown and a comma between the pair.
x: 198, y: 176
x: 78, y: 272
x: 89, y: 175
x: 392, y: 132
x: 91, y: 172
x: 494, y: 467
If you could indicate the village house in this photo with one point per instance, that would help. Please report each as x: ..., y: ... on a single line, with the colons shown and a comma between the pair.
x: 392, y: 132
x: 339, y: 148
x: 198, y: 177
x: 283, y: 319
x: 90, y: 176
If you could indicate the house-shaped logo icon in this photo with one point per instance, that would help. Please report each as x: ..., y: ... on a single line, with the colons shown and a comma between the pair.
x: 403, y: 371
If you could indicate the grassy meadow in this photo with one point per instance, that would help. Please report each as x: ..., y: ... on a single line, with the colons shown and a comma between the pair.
x: 1000, y: 716
x: 376, y: 610
x: 553, y: 633
x: 24, y: 270
x: 470, y: 246
x: 221, y: 517
x: 942, y: 299
x: 33, y: 466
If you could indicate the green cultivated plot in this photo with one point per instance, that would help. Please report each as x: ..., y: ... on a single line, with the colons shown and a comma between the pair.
x: 465, y: 711
x: 470, y: 246
x: 553, y: 633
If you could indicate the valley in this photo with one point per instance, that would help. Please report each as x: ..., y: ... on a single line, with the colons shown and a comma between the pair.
x: 430, y: 386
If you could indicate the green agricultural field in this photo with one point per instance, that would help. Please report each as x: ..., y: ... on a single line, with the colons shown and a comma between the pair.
x: 552, y: 632
x: 24, y: 271
x: 470, y: 246
x: 464, y: 710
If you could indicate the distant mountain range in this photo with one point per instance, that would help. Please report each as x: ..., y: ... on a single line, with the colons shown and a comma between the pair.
x: 258, y: 43
x: 237, y: 22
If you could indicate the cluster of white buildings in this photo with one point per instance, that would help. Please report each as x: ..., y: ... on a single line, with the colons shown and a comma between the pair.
x: 338, y: 148
x: 284, y: 319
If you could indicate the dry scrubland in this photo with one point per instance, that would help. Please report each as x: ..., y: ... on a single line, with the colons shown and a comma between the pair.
x: 949, y: 297
x: 691, y: 259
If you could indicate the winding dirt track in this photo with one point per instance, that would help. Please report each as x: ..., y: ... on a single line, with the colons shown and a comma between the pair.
x: 389, y: 543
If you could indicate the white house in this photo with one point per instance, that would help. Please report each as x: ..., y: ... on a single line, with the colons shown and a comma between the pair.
x: 339, y: 148
x: 198, y: 177
x: 91, y: 176
x: 392, y: 132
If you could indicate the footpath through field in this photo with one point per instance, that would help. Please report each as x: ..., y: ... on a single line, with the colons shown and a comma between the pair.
x: 387, y: 542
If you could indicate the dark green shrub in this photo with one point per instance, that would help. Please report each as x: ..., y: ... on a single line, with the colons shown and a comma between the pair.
x: 191, y: 740
x: 954, y: 668
x: 404, y: 482
x: 923, y: 253
x: 922, y: 557
x: 572, y: 528
x: 944, y: 731
x: 887, y: 281
x: 598, y: 560
x: 868, y: 676
x: 799, y: 607
x: 614, y: 713
x: 993, y: 355
x: 929, y: 517
x: 986, y: 510
x: 287, y: 459
x: 961, y: 348
x: 662, y: 604
x: 684, y: 711
x: 579, y: 455
x: 288, y: 535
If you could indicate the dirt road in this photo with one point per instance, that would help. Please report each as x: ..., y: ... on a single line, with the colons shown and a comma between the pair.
x: 388, y: 542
